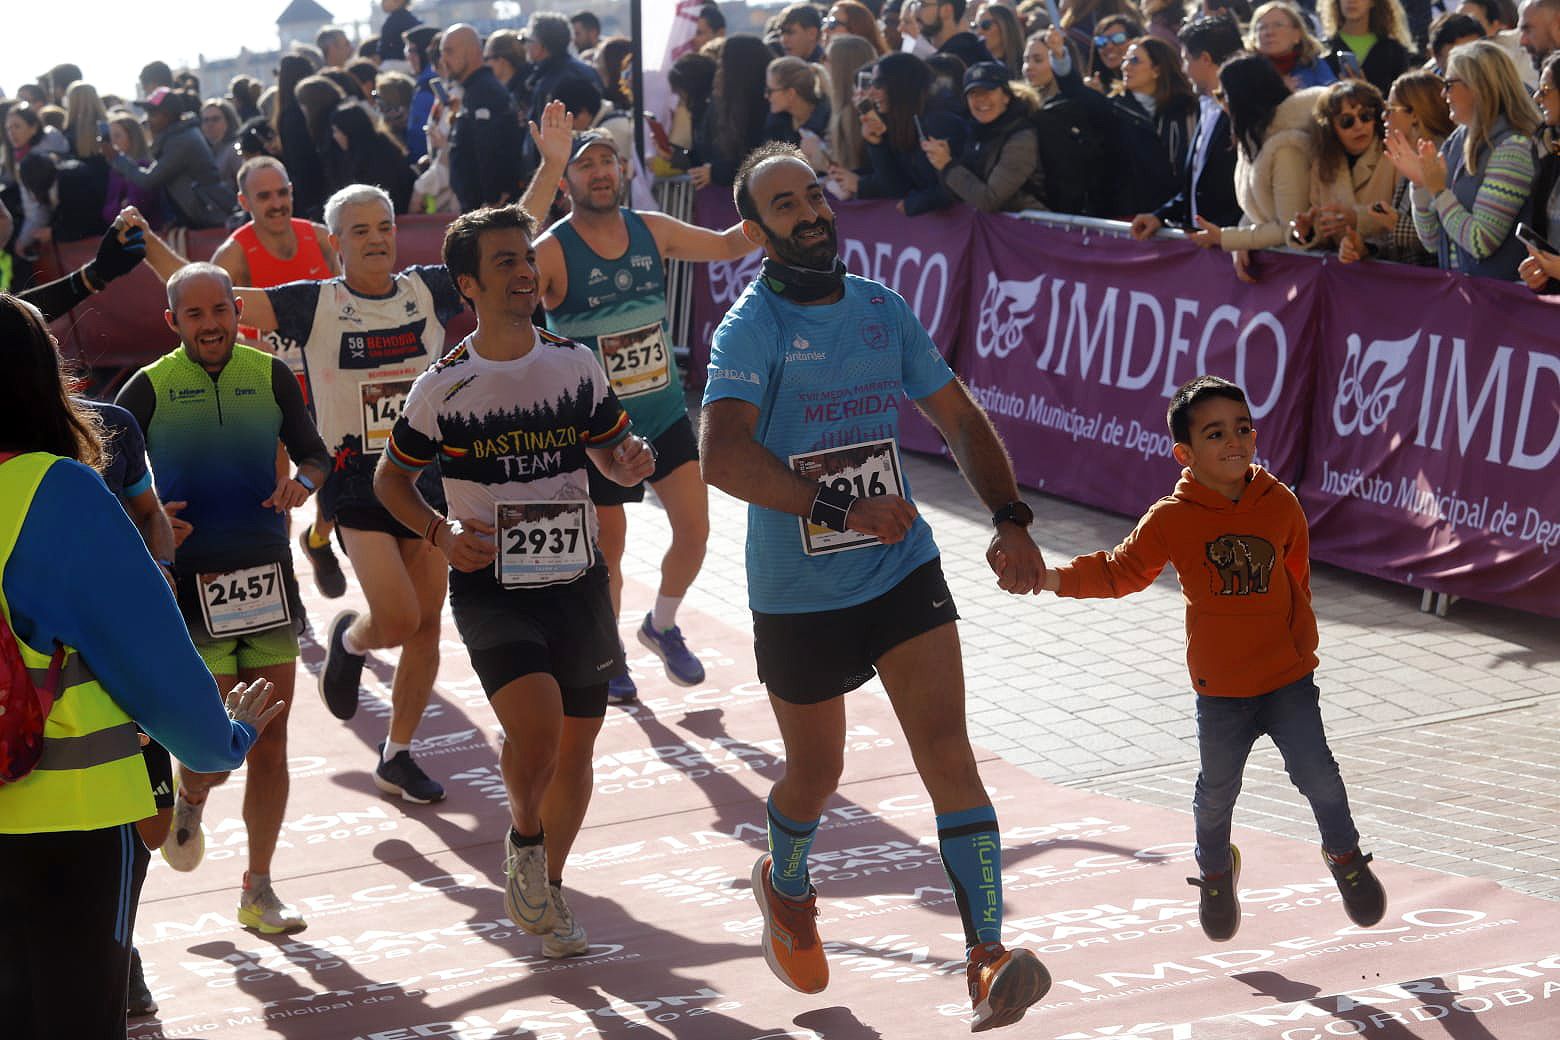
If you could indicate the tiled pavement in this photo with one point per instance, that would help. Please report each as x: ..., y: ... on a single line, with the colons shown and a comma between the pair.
x: 1444, y: 727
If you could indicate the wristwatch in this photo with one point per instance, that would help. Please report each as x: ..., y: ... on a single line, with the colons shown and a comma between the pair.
x: 1015, y: 512
x: 308, y: 485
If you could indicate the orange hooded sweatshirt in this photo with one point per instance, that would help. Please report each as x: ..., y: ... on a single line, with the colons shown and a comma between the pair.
x: 1245, y: 571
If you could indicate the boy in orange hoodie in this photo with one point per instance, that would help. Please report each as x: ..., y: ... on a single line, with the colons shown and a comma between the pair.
x: 1239, y: 544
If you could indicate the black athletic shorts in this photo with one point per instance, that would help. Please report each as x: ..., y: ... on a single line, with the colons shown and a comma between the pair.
x: 676, y: 447
x: 568, y: 631
x: 812, y: 658
x: 348, y: 500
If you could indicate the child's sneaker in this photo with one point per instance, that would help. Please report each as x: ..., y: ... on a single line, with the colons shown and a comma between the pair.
x: 1218, y: 910
x: 1364, y: 899
x: 1003, y: 985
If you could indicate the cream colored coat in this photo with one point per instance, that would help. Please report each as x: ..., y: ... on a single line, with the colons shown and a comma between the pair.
x: 1276, y: 185
x: 1359, y: 187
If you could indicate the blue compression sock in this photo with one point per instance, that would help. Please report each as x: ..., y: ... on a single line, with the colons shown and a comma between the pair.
x: 971, y: 849
x: 789, y: 842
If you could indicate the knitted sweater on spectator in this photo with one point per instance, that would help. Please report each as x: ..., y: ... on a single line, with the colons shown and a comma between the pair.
x: 1245, y: 572
x: 1469, y: 224
x: 1275, y: 185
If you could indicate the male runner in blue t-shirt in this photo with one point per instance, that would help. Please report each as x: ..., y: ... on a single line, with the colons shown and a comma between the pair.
x: 807, y: 374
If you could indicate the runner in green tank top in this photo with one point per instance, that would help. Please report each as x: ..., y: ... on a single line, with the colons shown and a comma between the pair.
x: 603, y: 283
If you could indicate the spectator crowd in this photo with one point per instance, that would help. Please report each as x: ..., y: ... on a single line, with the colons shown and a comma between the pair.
x: 1409, y: 131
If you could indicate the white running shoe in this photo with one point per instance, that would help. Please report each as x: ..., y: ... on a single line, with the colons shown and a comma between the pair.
x: 567, y: 939
x: 185, y: 845
x: 527, y: 896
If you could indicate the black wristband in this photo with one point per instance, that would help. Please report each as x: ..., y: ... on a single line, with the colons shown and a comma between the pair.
x: 830, y: 507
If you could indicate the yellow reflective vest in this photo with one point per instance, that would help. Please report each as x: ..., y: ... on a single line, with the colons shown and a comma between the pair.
x: 91, y: 775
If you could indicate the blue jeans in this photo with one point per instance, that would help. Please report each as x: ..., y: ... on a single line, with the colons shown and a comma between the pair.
x: 1227, y: 727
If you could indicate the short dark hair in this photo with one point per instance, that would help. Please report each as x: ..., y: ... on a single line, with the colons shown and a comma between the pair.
x: 1502, y: 11
x: 369, y: 48
x: 712, y: 17
x: 742, y: 187
x: 462, y: 250
x: 805, y: 15
x: 1449, y: 28
x: 157, y: 74
x: 1192, y: 393
x: 552, y: 32
x: 62, y: 75
x: 1217, y: 36
x: 578, y: 94
x: 588, y: 20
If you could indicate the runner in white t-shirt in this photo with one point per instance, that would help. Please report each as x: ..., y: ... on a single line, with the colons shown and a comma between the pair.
x: 515, y: 417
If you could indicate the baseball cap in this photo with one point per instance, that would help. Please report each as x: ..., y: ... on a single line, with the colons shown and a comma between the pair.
x: 588, y: 139
x: 986, y: 75
x: 162, y: 97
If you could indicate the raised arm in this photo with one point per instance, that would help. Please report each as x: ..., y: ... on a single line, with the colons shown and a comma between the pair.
x: 554, y: 137
x: 679, y: 241
x: 162, y: 259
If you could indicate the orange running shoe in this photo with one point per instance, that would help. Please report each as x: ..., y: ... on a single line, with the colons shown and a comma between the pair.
x: 1003, y: 985
x: 791, y: 945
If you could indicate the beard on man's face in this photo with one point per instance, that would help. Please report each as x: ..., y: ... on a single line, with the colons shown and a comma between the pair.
x: 801, y: 249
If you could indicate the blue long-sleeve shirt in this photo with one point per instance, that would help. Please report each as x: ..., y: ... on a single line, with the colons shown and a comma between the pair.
x: 80, y: 575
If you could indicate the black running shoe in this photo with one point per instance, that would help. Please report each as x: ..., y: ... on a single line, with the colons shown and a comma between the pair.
x: 141, y: 1003
x: 327, y: 569
x: 402, y: 776
x: 1364, y: 899
x: 343, y: 671
x: 1218, y: 910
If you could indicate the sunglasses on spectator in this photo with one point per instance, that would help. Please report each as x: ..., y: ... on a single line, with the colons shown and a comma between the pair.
x: 1347, y: 121
x: 1136, y: 59
x: 1543, y: 90
x: 1117, y: 38
x: 984, y: 25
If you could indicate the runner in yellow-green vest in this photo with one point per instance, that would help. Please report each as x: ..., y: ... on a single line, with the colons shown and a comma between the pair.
x: 75, y: 575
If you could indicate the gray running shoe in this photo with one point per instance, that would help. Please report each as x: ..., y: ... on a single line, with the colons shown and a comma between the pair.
x: 185, y: 845
x: 261, y: 909
x: 567, y: 939
x: 527, y: 899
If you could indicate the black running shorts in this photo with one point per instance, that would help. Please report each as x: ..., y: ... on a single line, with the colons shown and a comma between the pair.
x: 568, y: 631
x: 811, y: 658
x: 676, y: 447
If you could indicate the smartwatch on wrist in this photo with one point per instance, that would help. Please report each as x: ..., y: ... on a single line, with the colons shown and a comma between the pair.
x: 1015, y: 512
x: 308, y: 485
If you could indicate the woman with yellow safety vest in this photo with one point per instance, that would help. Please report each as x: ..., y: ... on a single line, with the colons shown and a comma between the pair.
x: 75, y: 576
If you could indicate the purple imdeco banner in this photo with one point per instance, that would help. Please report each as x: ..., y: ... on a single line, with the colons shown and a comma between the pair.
x: 1435, y: 434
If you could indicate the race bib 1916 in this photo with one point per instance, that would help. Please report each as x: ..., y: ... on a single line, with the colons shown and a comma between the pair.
x: 865, y: 470
x: 541, y: 543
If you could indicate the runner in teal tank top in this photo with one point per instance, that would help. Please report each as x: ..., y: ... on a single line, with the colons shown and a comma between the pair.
x: 603, y: 282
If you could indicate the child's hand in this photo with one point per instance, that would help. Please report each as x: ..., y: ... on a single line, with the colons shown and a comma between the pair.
x: 1016, y: 560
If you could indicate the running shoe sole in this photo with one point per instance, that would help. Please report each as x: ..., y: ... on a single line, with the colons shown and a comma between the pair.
x: 348, y: 703
x: 780, y: 973
x: 1017, y: 987
x: 180, y: 860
